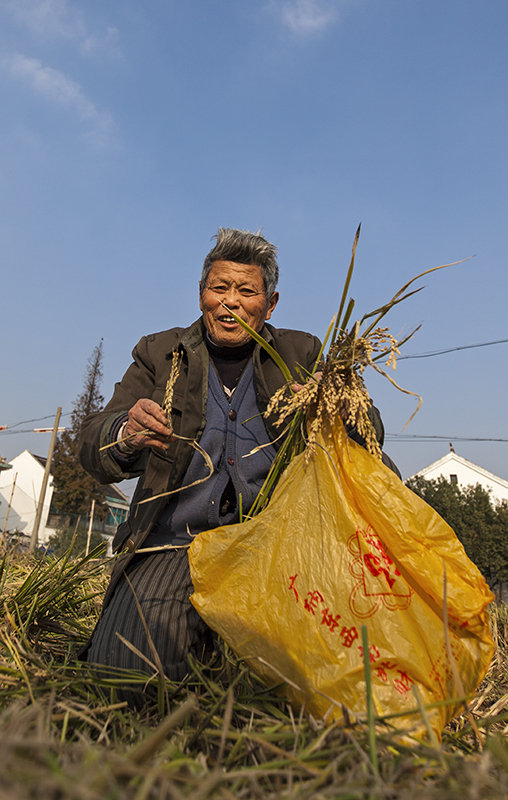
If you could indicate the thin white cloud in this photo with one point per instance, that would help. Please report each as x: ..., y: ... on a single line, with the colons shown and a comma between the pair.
x: 305, y: 17
x: 61, y: 19
x: 47, y: 18
x: 106, y: 42
x: 54, y: 86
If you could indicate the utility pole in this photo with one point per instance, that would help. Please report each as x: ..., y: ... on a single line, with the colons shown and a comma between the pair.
x: 35, y: 531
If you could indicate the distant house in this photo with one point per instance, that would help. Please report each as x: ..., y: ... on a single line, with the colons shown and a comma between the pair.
x: 26, y: 475
x: 27, y: 471
x: 459, y: 470
x: 118, y: 507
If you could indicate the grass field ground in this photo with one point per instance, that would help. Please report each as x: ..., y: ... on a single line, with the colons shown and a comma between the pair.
x: 220, y: 733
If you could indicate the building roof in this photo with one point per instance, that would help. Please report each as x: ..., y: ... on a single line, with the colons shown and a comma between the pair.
x: 452, y: 458
x: 114, y: 493
x: 453, y: 466
x: 111, y: 491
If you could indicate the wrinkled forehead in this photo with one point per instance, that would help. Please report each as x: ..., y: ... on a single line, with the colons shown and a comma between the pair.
x: 234, y: 272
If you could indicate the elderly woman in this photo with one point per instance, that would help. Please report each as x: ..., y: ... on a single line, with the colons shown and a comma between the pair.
x: 223, y: 388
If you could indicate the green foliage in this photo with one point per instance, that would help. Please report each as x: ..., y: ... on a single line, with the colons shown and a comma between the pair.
x: 481, y: 526
x: 60, y: 543
x: 74, y: 487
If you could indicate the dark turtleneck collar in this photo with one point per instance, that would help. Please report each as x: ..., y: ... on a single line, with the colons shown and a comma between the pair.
x: 230, y: 362
x: 230, y: 353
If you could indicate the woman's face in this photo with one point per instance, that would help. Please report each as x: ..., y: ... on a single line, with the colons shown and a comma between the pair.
x: 241, y: 288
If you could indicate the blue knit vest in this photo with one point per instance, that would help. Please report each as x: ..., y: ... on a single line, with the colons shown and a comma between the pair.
x: 232, y: 430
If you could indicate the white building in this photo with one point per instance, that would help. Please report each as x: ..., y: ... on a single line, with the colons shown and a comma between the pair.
x: 20, y: 506
x: 118, y: 507
x: 26, y: 474
x: 459, y: 470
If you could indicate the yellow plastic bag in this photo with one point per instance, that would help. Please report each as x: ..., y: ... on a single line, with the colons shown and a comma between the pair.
x: 343, y: 543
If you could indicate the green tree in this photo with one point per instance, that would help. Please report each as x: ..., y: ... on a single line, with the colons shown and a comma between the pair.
x: 445, y: 497
x: 500, y: 545
x: 60, y: 542
x: 74, y: 488
x: 481, y: 526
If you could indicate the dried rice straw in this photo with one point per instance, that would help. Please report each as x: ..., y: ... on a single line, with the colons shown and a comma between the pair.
x: 166, y: 407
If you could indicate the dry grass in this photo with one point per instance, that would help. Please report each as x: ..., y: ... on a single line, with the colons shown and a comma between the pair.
x: 223, y: 734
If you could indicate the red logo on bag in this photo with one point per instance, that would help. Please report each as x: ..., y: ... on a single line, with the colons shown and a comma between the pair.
x: 374, y: 653
x: 348, y: 636
x: 312, y: 600
x: 379, y: 582
x: 403, y: 684
x: 441, y: 672
x: 329, y: 620
x: 400, y: 681
x: 381, y: 670
x: 292, y: 586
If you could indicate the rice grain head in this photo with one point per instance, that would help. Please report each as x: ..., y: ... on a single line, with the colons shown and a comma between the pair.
x: 341, y: 393
x: 167, y: 403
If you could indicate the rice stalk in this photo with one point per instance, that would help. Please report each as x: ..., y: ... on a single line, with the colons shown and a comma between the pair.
x: 369, y: 701
x: 339, y: 396
x: 451, y: 659
x: 167, y: 404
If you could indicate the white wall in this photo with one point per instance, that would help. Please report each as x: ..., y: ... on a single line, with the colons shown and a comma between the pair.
x: 28, y: 473
x: 468, y: 474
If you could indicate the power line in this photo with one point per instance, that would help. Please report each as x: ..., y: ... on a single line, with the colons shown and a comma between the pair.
x: 9, y: 428
x: 37, y: 419
x: 452, y: 349
x: 417, y: 437
x: 13, y: 433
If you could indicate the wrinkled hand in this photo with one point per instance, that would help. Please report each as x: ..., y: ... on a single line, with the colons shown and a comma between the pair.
x: 148, y: 414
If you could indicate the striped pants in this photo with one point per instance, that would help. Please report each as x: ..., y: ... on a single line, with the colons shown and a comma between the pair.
x: 162, y: 585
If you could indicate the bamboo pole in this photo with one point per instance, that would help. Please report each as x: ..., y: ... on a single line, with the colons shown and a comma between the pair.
x: 35, y: 531
x: 90, y: 526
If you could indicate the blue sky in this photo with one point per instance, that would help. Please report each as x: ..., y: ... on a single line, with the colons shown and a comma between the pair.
x: 131, y: 131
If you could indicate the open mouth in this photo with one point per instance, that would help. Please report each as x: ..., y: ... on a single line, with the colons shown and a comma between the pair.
x: 225, y: 319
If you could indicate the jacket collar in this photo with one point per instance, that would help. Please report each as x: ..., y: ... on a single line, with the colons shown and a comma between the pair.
x: 194, y: 335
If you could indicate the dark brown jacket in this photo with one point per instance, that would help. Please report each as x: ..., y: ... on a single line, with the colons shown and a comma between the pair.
x: 147, y: 377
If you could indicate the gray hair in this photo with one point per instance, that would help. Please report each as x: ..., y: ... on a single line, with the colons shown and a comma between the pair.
x: 244, y: 247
